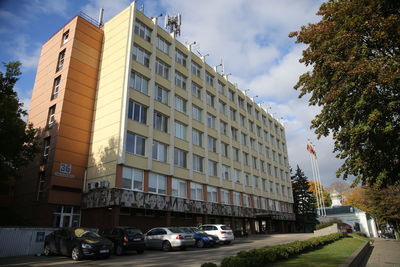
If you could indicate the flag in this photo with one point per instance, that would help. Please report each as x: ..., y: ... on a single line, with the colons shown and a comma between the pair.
x: 311, y: 149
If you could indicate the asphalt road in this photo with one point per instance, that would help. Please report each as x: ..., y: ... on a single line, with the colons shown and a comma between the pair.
x: 190, y: 257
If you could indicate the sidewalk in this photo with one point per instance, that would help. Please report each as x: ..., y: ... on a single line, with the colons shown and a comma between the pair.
x: 386, y: 252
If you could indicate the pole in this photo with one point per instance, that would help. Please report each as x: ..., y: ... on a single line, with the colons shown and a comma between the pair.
x: 321, y: 189
x: 315, y: 183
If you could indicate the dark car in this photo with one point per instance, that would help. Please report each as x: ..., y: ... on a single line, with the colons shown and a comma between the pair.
x: 125, y: 238
x: 202, y: 238
x: 77, y: 243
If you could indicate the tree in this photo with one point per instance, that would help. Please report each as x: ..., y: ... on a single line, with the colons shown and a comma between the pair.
x: 355, y: 55
x: 17, y: 139
x: 303, y: 202
x: 325, y: 194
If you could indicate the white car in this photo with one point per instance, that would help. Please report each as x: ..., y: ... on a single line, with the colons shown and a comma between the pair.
x: 166, y: 238
x: 224, y: 232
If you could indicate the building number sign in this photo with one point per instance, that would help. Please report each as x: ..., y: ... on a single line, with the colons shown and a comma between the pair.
x: 65, y: 170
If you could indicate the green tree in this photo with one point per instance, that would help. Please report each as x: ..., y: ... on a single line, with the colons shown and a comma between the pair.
x: 304, y: 205
x: 17, y: 138
x: 355, y: 56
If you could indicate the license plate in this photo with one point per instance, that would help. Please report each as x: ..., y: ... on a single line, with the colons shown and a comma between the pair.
x: 104, y: 251
x: 136, y: 239
x: 229, y: 233
x: 188, y: 237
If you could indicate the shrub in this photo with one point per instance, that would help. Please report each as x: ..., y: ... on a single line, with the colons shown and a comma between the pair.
x: 209, y: 264
x: 328, y: 223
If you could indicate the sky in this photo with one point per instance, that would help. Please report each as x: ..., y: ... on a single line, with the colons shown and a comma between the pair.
x: 250, y: 37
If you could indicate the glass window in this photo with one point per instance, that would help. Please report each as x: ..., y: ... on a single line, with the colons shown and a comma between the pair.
x: 235, y: 153
x: 221, y: 88
x: 249, y: 108
x: 161, y: 94
x: 254, y: 160
x: 162, y: 68
x: 222, y: 107
x: 212, y: 144
x: 231, y: 95
x: 196, y: 69
x: 143, y: 31
x: 246, y: 201
x: 196, y: 113
x: 180, y: 58
x: 224, y: 196
x: 236, y: 199
x: 232, y: 114
x: 234, y: 132
x: 210, y: 99
x: 197, y: 138
x: 242, y: 121
x: 225, y: 172
x: 139, y: 83
x: 196, y: 90
x: 56, y: 87
x: 180, y: 104
x: 212, y: 194
x: 180, y: 158
x: 223, y: 127
x: 135, y: 144
x: 246, y: 158
x: 162, y: 44
x: 52, y: 116
x: 247, y: 179
x: 160, y: 151
x: 137, y: 112
x: 60, y: 61
x: 256, y: 202
x: 210, y: 121
x: 178, y: 188
x: 212, y: 168
x: 243, y: 139
x: 132, y: 178
x: 180, y: 130
x: 237, y: 175
x: 196, y: 191
x: 180, y: 80
x: 65, y: 37
x: 197, y: 163
x: 256, y: 182
x: 224, y: 149
x: 140, y: 55
x: 160, y: 122
x: 209, y: 79
x: 157, y: 183
x: 241, y: 102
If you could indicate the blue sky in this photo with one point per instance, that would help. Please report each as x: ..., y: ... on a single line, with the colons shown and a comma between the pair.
x: 249, y: 36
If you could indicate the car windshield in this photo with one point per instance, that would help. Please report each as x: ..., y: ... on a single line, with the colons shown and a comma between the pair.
x: 200, y: 232
x: 132, y: 231
x: 224, y: 227
x: 187, y: 229
x: 175, y: 230
x: 80, y: 232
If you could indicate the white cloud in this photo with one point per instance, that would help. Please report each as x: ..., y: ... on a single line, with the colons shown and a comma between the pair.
x: 25, y: 51
x: 58, y: 7
x: 111, y: 8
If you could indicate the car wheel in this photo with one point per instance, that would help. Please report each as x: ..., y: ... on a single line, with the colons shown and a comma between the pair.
x: 119, y: 250
x: 227, y: 242
x: 140, y: 251
x: 200, y: 243
x: 166, y: 246
x: 46, y: 250
x: 76, y: 254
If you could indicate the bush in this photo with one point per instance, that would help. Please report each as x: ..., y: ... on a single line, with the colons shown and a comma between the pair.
x: 328, y: 223
x: 209, y: 264
x: 263, y: 256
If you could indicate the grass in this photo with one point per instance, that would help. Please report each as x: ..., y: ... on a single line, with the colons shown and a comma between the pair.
x: 330, y: 255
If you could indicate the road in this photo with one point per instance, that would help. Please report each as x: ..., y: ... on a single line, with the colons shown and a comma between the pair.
x: 192, y: 257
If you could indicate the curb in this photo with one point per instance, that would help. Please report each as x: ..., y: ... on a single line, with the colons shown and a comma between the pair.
x: 358, y: 256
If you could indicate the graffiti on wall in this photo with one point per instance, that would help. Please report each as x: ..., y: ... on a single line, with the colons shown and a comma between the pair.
x: 126, y: 198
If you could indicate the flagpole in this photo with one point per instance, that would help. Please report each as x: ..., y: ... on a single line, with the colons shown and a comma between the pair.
x: 315, y: 185
x: 321, y: 188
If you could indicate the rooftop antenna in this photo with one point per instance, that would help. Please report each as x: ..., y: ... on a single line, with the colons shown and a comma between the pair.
x: 203, y: 57
x: 190, y: 45
x: 101, y: 13
x: 227, y: 75
x: 173, y: 23
x: 141, y: 8
x: 216, y: 67
x: 245, y: 91
x: 254, y: 98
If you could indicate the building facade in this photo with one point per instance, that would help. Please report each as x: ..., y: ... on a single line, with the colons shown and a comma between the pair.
x: 143, y: 132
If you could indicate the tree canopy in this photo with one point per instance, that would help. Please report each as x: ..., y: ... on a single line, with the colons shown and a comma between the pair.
x: 17, y: 139
x: 355, y: 57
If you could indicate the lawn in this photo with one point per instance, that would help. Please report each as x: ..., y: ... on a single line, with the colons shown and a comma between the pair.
x: 330, y: 255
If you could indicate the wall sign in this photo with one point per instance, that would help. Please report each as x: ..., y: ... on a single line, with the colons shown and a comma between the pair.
x: 65, y: 170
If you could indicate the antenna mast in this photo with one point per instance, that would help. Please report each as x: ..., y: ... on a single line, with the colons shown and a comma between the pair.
x: 173, y: 23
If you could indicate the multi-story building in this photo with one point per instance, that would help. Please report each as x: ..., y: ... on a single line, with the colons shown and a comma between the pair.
x: 138, y: 130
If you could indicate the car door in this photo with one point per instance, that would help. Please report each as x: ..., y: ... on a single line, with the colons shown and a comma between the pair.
x: 150, y: 237
x: 160, y: 237
x: 65, y: 242
x: 51, y: 241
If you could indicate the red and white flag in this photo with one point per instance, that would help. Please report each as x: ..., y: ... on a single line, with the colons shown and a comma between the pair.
x: 310, y: 149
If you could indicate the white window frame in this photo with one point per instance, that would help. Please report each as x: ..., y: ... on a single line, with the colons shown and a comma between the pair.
x: 180, y: 57
x: 140, y: 55
x: 180, y: 158
x: 136, y: 140
x: 225, y: 172
x: 180, y: 130
x: 139, y: 83
x: 196, y: 113
x: 212, y: 194
x: 137, y: 112
x: 135, y: 176
x: 162, y: 45
x: 180, y: 104
x: 196, y: 69
x: 180, y: 80
x: 197, y: 138
x: 197, y: 163
x: 160, y: 122
x: 161, y: 94
x: 159, y: 151
x: 212, y: 168
x: 142, y: 30
x: 179, y: 188
x: 160, y: 183
x: 162, y: 69
x: 224, y: 196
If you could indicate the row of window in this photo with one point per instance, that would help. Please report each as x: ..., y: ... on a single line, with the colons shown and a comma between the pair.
x: 133, y: 179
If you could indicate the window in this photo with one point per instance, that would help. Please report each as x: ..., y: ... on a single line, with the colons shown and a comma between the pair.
x: 246, y: 201
x: 223, y: 127
x: 269, y: 169
x: 263, y: 166
x: 236, y: 198
x: 196, y: 113
x: 197, y: 163
x: 160, y: 122
x: 242, y: 121
x: 257, y: 114
x: 52, y: 116
x: 267, y: 152
x: 210, y: 99
x: 259, y: 131
x: 224, y: 196
x: 180, y: 104
x: 180, y: 58
x: 135, y: 144
x: 222, y: 107
x: 140, y: 55
x: 246, y: 158
x: 139, y: 83
x: 264, y: 185
x: 264, y: 120
x: 60, y: 61
x: 271, y: 204
x: 196, y: 90
x: 231, y: 95
x: 234, y: 132
x: 196, y: 191
x: 212, y: 144
x: 209, y: 79
x: 255, y: 202
x: 160, y: 151
x: 237, y: 176
x: 241, y: 102
x: 225, y: 172
x: 178, y: 188
x: 266, y: 136
x: 137, y: 112
x: 132, y: 178
x: 224, y: 149
x: 283, y: 190
x: 197, y: 138
x: 212, y: 194
x: 243, y: 139
x: 56, y: 87
x: 232, y: 114
x: 180, y: 130
x: 210, y: 121
x: 180, y: 80
x: 221, y: 88
x: 196, y: 69
x: 162, y: 69
x: 249, y: 108
x: 180, y: 158
x: 65, y: 37
x: 212, y: 168
x: 46, y: 149
x: 247, y: 179
x: 143, y: 31
x: 251, y: 126
x: 235, y: 154
x: 157, y: 183
x: 256, y: 182
x: 66, y: 216
x: 161, y: 94
x: 252, y: 143
x: 271, y: 187
x: 263, y: 203
x: 260, y: 148
x: 277, y: 188
x: 162, y: 44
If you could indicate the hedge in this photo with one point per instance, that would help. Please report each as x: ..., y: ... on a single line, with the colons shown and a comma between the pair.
x: 262, y: 256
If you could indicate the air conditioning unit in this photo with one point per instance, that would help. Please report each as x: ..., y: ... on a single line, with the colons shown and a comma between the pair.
x: 93, y: 185
x: 104, y: 184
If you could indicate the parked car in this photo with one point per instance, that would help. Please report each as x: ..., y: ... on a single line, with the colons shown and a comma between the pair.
x: 125, y: 238
x: 224, y: 232
x: 77, y: 243
x: 166, y: 238
x: 202, y: 239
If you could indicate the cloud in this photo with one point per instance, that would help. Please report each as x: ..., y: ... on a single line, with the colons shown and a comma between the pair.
x: 25, y: 51
x: 58, y: 7
x: 111, y: 8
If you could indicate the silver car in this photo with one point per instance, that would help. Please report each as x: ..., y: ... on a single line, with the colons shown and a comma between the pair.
x: 166, y: 238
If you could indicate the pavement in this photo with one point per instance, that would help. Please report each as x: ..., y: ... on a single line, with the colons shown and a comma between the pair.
x: 385, y: 252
